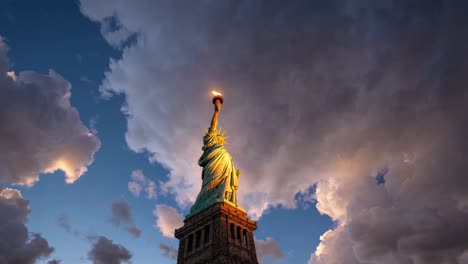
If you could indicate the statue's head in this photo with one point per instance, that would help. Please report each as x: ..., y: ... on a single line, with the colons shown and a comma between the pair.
x: 221, y: 136
x: 220, y: 139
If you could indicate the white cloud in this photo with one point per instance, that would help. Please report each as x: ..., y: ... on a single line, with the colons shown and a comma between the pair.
x: 334, y: 248
x: 135, y: 188
x: 168, y: 115
x: 167, y: 219
x: 150, y: 189
x: 141, y: 182
x: 332, y: 98
x: 138, y: 176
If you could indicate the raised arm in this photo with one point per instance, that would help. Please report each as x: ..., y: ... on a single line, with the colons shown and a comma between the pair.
x: 214, y: 120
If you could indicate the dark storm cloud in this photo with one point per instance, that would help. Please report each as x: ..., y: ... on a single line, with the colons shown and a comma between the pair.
x: 54, y: 261
x: 168, y: 251
x: 17, y: 245
x: 317, y: 92
x: 122, y: 214
x: 104, y: 251
x: 40, y: 131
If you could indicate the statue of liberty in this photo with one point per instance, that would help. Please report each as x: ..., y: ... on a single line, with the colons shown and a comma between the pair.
x: 219, y: 176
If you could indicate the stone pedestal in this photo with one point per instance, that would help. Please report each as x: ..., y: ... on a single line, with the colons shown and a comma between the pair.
x: 221, y: 233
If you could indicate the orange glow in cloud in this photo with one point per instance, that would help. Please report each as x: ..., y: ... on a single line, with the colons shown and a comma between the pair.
x: 71, y: 173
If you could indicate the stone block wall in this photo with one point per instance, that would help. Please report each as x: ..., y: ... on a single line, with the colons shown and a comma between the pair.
x: 222, y: 233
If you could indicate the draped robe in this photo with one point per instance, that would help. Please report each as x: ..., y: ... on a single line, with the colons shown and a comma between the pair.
x: 219, y: 176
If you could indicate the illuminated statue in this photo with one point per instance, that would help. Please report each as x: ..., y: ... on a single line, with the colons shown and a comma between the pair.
x: 219, y: 174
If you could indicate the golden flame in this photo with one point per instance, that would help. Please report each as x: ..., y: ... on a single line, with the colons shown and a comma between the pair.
x: 215, y: 93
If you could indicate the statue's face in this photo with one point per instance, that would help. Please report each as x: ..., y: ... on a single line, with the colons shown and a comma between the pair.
x: 220, y: 140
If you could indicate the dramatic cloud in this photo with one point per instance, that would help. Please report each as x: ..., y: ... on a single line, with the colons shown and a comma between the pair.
x: 333, y: 93
x: 268, y: 248
x: 122, y: 214
x: 104, y: 251
x: 17, y: 245
x: 140, y: 182
x: 167, y: 219
x: 168, y: 251
x: 54, y: 261
x: 334, y: 249
x: 40, y: 132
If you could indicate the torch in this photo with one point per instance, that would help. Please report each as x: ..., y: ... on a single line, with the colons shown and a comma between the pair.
x: 217, y: 96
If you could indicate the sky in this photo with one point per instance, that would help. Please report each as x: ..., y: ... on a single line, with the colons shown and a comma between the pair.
x: 347, y: 119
